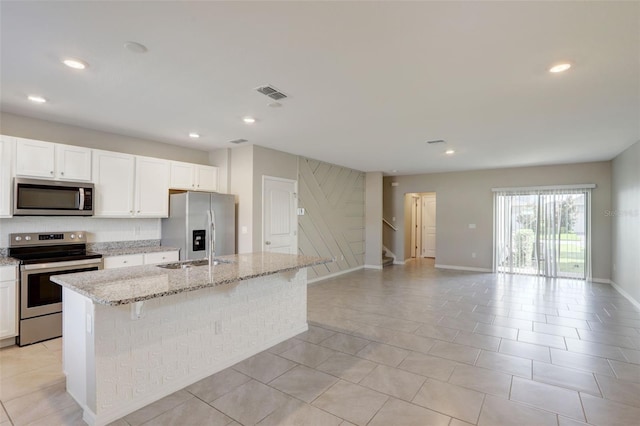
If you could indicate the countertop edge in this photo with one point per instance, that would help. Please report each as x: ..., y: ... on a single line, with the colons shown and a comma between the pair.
x: 59, y: 280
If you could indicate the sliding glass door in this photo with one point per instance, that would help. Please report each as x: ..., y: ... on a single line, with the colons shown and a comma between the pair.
x: 542, y: 232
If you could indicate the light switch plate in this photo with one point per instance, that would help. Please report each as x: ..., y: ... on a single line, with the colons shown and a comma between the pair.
x: 300, y: 211
x: 472, y: 226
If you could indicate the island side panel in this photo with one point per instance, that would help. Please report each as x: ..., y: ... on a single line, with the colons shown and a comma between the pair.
x: 78, y: 354
x: 186, y: 337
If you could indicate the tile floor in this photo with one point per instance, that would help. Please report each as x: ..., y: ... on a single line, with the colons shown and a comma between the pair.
x: 410, y: 345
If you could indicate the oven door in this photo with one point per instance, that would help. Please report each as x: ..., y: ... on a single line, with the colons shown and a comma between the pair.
x: 38, y: 295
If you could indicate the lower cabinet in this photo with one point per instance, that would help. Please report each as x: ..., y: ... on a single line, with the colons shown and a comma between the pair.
x: 8, y: 302
x: 112, y: 262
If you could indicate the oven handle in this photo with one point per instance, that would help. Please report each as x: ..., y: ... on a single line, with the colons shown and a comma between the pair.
x: 58, y: 265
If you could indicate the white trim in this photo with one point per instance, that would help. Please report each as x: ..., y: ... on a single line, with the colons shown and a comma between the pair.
x: 626, y: 295
x: 372, y: 266
x: 463, y: 268
x: 9, y: 341
x: 600, y: 280
x: 545, y: 188
x: 335, y: 274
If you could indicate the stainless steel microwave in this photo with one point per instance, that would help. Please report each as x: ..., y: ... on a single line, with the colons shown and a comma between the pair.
x: 35, y: 197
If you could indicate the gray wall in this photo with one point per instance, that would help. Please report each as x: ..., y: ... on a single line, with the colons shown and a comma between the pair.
x: 334, y: 223
x: 268, y: 162
x: 33, y: 128
x: 373, y: 219
x: 465, y: 198
x: 625, y: 216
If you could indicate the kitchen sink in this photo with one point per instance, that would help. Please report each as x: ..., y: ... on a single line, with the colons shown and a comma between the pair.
x: 189, y: 263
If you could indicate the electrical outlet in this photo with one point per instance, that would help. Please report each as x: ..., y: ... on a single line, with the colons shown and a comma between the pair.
x: 473, y: 255
x: 342, y: 257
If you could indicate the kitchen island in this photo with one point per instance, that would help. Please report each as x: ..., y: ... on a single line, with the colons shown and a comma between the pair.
x: 134, y: 335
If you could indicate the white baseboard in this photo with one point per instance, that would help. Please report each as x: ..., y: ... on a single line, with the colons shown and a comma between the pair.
x: 372, y: 266
x: 335, y: 274
x: 7, y: 342
x: 399, y: 262
x: 601, y: 280
x: 463, y: 268
x: 626, y: 295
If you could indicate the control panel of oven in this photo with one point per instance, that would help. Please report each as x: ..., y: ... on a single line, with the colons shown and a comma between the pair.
x: 40, y: 239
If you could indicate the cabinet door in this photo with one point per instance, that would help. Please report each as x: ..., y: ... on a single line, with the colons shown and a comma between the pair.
x: 35, y: 158
x: 152, y: 187
x: 73, y: 162
x: 182, y: 175
x: 6, y: 181
x: 113, y: 262
x: 8, y: 302
x: 206, y: 178
x: 161, y: 257
x: 113, y: 178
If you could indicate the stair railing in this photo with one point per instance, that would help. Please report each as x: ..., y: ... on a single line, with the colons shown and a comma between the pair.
x: 386, y: 222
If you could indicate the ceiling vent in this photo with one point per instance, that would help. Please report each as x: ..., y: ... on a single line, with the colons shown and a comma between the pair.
x: 436, y: 141
x: 238, y: 141
x: 271, y: 92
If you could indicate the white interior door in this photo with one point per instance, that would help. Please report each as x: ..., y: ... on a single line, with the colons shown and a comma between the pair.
x: 280, y: 225
x: 429, y: 225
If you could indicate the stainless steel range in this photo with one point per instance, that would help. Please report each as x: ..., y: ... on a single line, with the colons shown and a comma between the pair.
x: 42, y: 256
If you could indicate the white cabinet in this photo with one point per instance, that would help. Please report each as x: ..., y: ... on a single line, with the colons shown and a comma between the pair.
x: 161, y: 257
x: 6, y: 175
x: 48, y: 160
x: 130, y: 186
x: 8, y: 302
x: 193, y: 176
x: 152, y: 187
x: 123, y: 261
x: 113, y: 174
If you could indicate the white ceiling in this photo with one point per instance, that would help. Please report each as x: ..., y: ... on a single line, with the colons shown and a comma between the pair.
x: 369, y: 83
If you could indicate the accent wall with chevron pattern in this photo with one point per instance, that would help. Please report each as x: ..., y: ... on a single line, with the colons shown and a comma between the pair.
x: 334, y: 221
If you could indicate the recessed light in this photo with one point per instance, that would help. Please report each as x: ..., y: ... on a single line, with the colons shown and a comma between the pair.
x: 560, y: 67
x: 249, y: 120
x: 449, y: 152
x: 37, y: 99
x: 75, y: 63
x: 135, y: 47
x: 194, y: 135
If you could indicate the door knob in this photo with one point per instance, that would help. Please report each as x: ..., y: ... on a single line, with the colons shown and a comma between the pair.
x: 267, y: 243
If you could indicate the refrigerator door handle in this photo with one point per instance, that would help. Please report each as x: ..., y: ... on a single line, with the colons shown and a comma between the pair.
x: 211, y: 216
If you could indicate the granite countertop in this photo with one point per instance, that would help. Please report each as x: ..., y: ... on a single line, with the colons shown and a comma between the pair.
x: 139, y: 283
x: 133, y: 250
x: 8, y: 261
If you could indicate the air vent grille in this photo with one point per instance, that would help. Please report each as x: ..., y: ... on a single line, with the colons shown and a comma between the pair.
x: 238, y: 141
x: 436, y: 141
x: 271, y: 92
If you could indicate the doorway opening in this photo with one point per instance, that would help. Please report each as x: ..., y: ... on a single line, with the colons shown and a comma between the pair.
x: 543, y: 232
x: 422, y: 224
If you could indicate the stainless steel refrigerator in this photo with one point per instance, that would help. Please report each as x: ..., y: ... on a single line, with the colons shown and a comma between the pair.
x: 194, y: 217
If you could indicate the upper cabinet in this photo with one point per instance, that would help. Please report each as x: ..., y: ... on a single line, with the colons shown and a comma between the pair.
x: 6, y: 175
x: 193, y: 177
x: 48, y: 160
x: 152, y: 187
x: 130, y: 186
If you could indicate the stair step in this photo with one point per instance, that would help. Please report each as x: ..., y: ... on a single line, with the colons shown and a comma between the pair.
x: 386, y: 261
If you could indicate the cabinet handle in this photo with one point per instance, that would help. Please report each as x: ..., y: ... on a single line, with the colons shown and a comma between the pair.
x: 51, y: 172
x: 61, y: 173
x: 138, y: 211
x: 124, y: 261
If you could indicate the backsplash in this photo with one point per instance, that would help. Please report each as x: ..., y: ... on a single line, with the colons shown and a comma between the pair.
x: 99, y: 230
